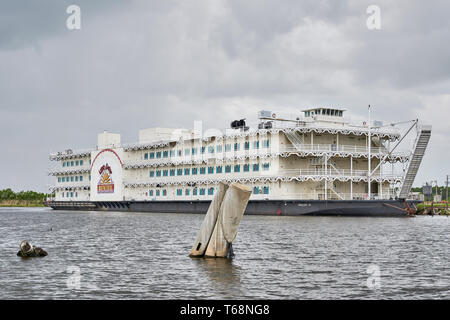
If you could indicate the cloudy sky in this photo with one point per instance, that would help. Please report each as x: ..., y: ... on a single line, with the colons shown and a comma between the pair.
x: 138, y: 64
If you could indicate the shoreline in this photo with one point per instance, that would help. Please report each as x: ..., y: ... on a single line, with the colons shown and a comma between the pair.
x: 21, y: 204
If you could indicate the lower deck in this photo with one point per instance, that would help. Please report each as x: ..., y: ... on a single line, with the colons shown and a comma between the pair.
x: 395, y: 208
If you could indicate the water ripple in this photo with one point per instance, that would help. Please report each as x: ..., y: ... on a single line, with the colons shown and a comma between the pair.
x: 145, y: 256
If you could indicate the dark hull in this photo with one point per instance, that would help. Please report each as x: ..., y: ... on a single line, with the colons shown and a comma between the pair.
x: 375, y: 208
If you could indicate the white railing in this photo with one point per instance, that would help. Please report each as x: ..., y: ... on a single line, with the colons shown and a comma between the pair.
x: 223, y: 156
x: 70, y: 153
x: 340, y: 148
x: 266, y: 152
x: 71, y: 170
x: 342, y: 123
x: 74, y: 184
x: 321, y: 196
x: 318, y: 173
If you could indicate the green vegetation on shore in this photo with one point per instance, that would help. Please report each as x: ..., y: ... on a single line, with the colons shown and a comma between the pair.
x: 9, y: 198
x: 430, y: 208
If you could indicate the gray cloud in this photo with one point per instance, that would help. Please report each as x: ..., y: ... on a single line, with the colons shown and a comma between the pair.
x: 138, y: 64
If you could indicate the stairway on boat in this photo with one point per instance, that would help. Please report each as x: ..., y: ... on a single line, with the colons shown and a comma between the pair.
x: 419, y: 151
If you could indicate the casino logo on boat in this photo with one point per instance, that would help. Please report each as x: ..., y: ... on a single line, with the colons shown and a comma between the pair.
x: 106, y: 184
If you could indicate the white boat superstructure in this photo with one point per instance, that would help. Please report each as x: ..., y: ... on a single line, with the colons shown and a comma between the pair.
x: 316, y: 156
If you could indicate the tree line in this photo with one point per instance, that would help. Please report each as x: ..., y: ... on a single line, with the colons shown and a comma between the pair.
x: 8, y: 194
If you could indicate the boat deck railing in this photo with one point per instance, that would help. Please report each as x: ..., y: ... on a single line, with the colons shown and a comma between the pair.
x: 305, y: 174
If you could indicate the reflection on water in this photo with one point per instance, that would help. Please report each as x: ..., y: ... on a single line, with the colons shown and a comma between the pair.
x: 222, y: 273
x: 145, y: 256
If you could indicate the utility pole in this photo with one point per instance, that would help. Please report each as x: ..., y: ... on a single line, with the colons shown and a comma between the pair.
x: 446, y: 196
x: 369, y: 152
x: 435, y: 181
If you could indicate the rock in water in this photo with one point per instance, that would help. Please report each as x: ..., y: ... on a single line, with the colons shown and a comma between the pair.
x: 27, y: 250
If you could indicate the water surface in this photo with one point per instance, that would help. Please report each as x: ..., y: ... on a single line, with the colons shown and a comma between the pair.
x: 145, y: 256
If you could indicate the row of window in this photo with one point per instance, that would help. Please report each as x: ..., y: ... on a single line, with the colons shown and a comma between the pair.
x: 73, y: 163
x: 70, y: 194
x: 261, y: 190
x: 187, y: 192
x: 199, y: 191
x: 202, y: 170
x: 210, y: 149
x: 71, y: 179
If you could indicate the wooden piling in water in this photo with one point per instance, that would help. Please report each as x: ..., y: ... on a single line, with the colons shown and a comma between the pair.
x: 209, y: 223
x: 230, y: 215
